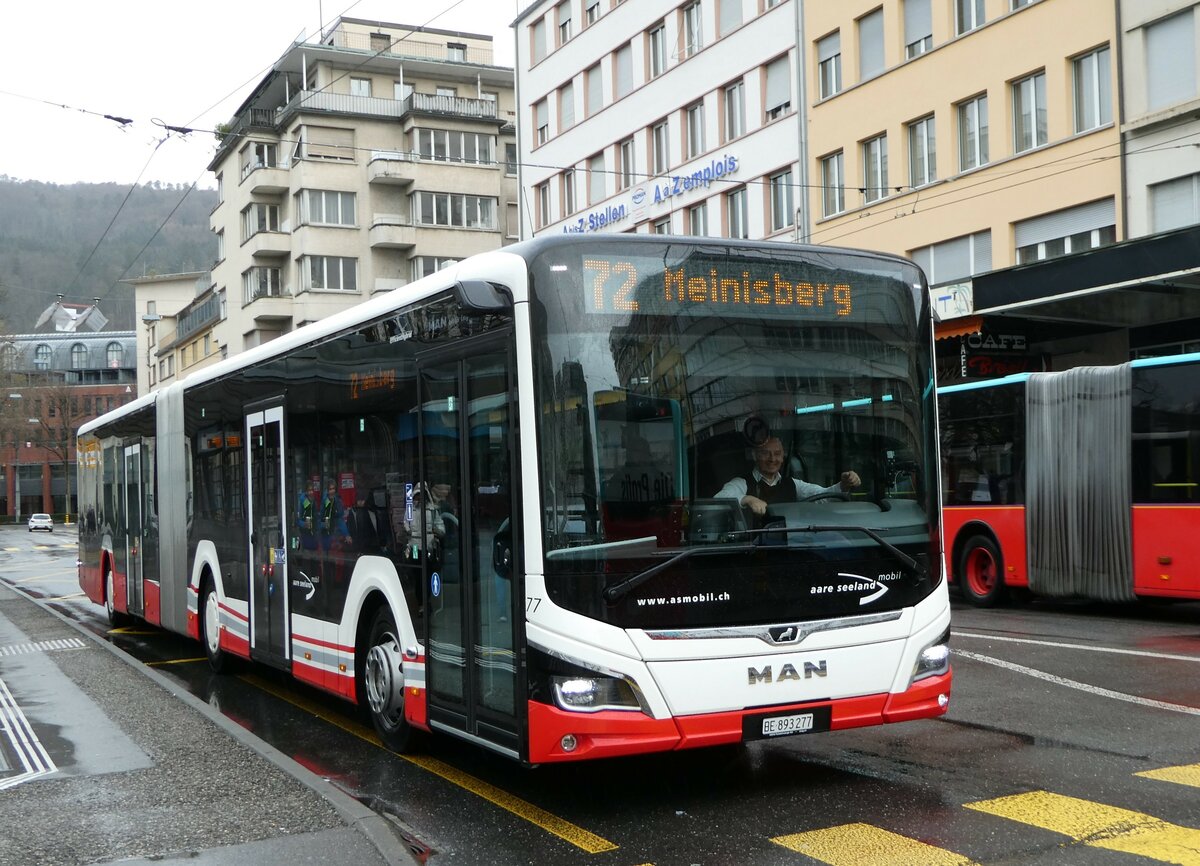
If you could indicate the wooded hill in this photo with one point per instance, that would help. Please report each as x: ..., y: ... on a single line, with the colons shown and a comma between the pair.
x: 48, y: 232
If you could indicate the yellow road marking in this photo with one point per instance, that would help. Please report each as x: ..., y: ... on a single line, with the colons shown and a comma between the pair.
x: 1185, y: 775
x: 1099, y: 826
x: 551, y: 823
x: 175, y: 662
x: 864, y: 845
x: 133, y: 630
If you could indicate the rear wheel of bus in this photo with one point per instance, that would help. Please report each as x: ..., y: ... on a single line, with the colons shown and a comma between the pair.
x: 981, y: 571
x: 381, y: 682
x: 115, y: 618
x: 210, y: 628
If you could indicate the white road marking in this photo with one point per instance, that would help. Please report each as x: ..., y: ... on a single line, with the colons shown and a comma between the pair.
x: 1075, y: 684
x: 1077, y: 646
x: 35, y: 761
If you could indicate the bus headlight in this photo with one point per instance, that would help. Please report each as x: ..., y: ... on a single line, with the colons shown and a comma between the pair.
x: 592, y: 694
x: 934, y: 660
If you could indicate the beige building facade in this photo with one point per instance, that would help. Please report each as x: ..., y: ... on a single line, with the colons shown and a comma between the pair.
x: 362, y: 161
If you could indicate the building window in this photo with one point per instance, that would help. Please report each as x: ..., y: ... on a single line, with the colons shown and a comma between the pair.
x: 78, y: 356
x: 968, y: 14
x: 448, y: 145
x: 326, y: 207
x: 595, y: 90
x: 423, y: 266
x: 261, y: 283
x: 657, y: 47
x: 537, y: 36
x: 1175, y: 203
x: 922, y: 152
x: 456, y: 52
x: 454, y: 209
x: 259, y: 154
x: 329, y: 273
x: 662, y: 226
x: 918, y: 27
x: 875, y: 168
x: 113, y: 354
x: 870, y: 45
x: 697, y: 216
x: 512, y: 220
x: 1073, y: 230
x: 623, y: 70
x: 596, y: 177
x: 541, y: 121
x: 1171, y: 61
x: 735, y: 212
x: 833, y: 185
x: 829, y: 65
x: 592, y: 11
x: 735, y: 110
x: 731, y: 15
x: 694, y: 125
x: 783, y: 212
x: 564, y: 22
x: 692, y: 33
x: 401, y: 91
x: 1017, y: 4
x: 955, y: 260
x: 360, y: 87
x: 778, y: 98
x: 626, y: 168
x: 510, y: 159
x: 567, y: 182
x: 1029, y: 112
x: 1093, y: 90
x: 543, y: 200
x: 327, y: 142
x: 661, y: 144
x: 221, y: 245
x: 973, y: 133
x: 566, y: 106
x: 259, y: 217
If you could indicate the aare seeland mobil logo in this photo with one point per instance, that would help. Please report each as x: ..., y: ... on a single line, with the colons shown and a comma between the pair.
x: 873, y: 588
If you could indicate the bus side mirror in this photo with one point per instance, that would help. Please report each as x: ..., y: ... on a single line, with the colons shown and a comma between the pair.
x: 480, y: 296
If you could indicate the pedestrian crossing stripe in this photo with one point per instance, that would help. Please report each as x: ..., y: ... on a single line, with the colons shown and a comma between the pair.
x: 1186, y: 775
x: 1099, y: 826
x: 865, y: 845
x: 71, y: 643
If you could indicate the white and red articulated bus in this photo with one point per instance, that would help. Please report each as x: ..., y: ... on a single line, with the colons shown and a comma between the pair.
x: 494, y: 503
x: 1083, y: 483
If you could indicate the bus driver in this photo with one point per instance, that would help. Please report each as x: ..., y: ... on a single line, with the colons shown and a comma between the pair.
x: 764, y: 486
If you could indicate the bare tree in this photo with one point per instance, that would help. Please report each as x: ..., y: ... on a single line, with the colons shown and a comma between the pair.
x: 56, y: 425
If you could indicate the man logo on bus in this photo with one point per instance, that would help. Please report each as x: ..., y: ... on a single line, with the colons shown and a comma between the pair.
x: 783, y: 633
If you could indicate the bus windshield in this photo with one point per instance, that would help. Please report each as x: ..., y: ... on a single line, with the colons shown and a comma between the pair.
x: 667, y: 371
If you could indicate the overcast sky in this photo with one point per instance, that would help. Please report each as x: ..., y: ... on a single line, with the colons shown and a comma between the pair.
x: 187, y: 65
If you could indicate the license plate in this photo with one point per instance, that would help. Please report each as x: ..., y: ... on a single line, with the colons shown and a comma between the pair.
x: 785, y: 724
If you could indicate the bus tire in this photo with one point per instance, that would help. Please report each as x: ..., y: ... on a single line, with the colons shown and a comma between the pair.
x: 981, y: 572
x: 116, y: 619
x: 383, y: 695
x: 210, y: 629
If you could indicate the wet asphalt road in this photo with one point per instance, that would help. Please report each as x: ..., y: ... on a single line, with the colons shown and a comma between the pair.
x: 1056, y: 710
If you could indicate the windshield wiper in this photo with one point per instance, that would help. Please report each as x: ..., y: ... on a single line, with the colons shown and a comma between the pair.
x: 617, y: 590
x: 906, y: 560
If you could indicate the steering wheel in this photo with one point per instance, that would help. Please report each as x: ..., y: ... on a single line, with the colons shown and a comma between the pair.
x: 828, y: 494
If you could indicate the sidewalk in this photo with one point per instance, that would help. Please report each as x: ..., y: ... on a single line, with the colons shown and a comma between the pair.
x: 103, y: 760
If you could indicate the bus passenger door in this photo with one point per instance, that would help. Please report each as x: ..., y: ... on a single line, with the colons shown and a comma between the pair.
x: 467, y: 442
x: 132, y: 504
x: 267, y: 553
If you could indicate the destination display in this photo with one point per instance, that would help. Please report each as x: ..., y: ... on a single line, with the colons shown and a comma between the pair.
x: 719, y: 286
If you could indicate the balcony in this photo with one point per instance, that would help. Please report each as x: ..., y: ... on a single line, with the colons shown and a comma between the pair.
x: 269, y: 244
x: 267, y: 179
x: 452, y: 106
x: 398, y: 47
x: 392, y: 232
x: 392, y: 167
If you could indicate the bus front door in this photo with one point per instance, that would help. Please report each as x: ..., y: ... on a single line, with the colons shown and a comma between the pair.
x: 467, y: 445
x: 132, y: 504
x: 267, y: 553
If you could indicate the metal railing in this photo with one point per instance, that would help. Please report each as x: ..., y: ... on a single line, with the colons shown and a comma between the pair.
x: 401, y: 46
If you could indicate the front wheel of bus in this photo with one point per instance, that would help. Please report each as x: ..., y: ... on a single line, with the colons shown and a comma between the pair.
x: 981, y: 572
x: 383, y: 683
x: 115, y: 618
x: 210, y: 629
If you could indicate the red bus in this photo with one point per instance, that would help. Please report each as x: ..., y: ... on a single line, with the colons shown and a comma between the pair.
x: 1083, y: 483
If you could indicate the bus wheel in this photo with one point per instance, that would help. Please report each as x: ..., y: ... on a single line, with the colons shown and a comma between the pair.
x: 383, y: 683
x: 115, y: 618
x: 210, y: 629
x: 981, y: 572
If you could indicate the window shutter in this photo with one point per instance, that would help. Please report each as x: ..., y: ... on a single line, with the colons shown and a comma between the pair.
x: 870, y: 45
x: 1173, y: 204
x: 1170, y: 61
x: 983, y: 252
x: 566, y: 106
x: 779, y: 89
x: 624, y: 70
x: 829, y: 47
x: 595, y: 90
x: 1063, y: 223
x: 918, y: 22
x: 330, y: 143
x: 731, y: 15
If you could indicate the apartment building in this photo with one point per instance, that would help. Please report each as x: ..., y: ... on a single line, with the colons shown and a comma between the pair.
x: 362, y: 161
x: 180, y: 337
x: 1034, y: 156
